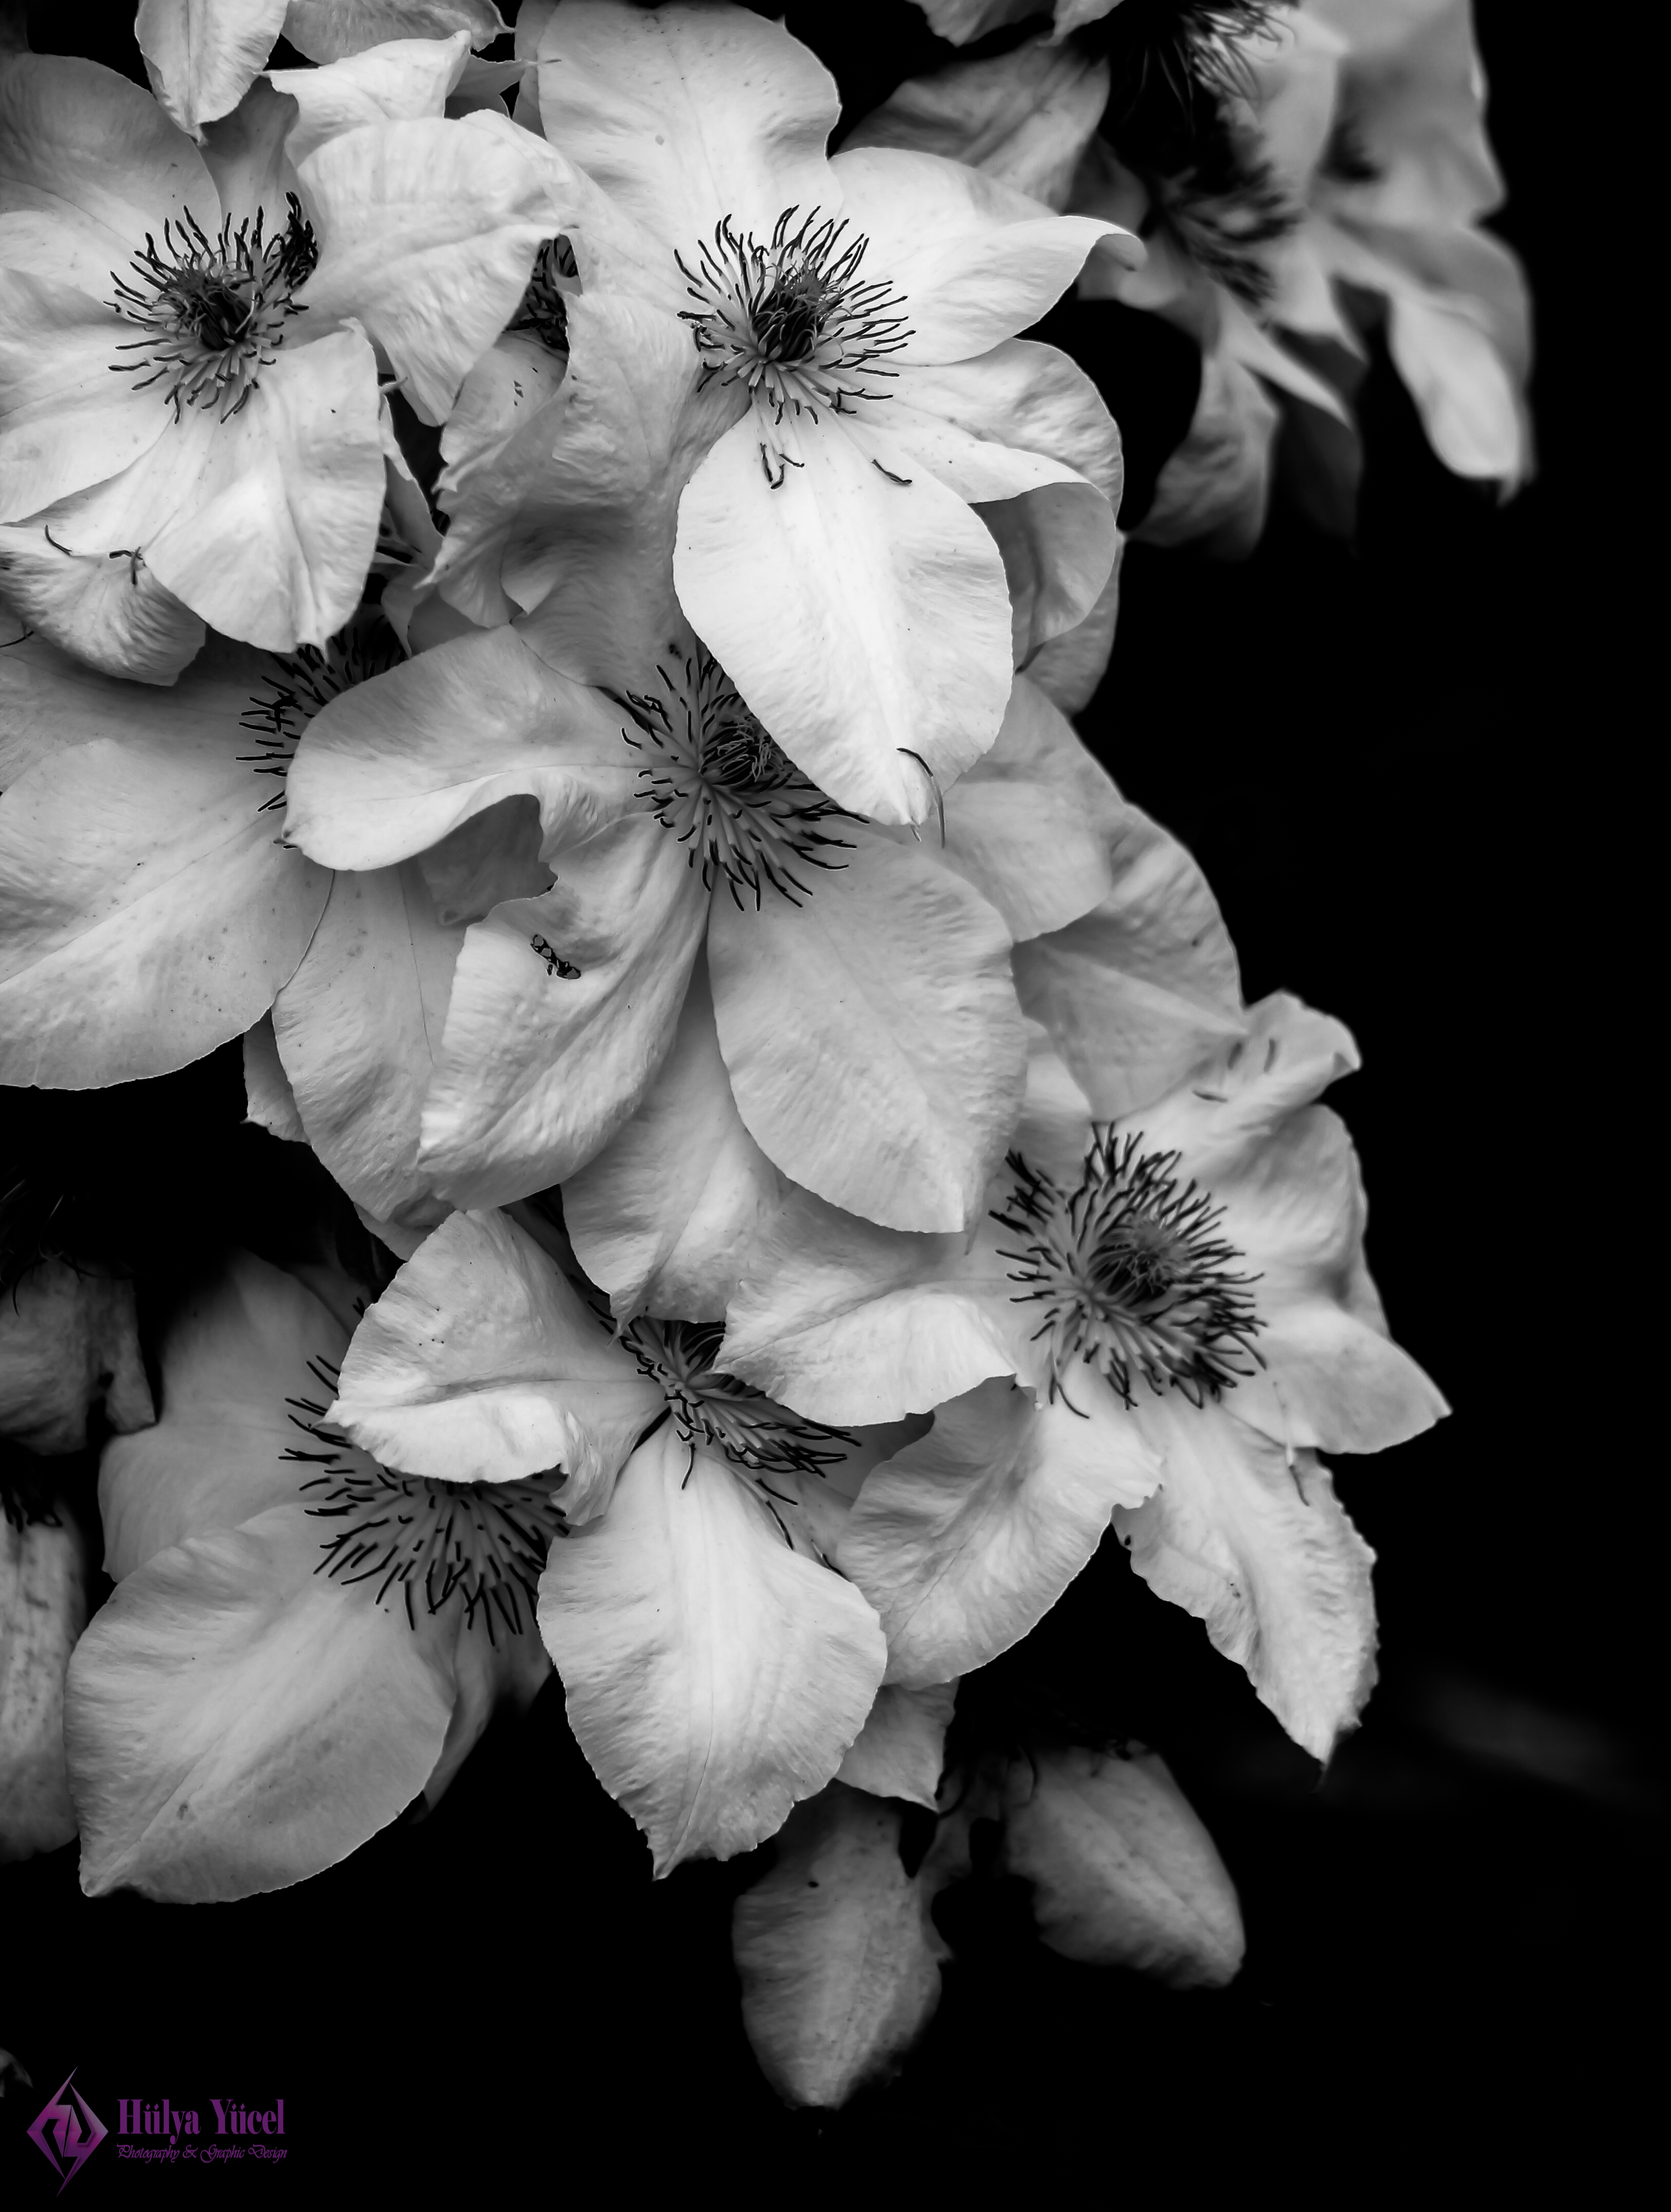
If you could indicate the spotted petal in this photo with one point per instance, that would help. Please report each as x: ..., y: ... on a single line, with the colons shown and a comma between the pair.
x: 714, y: 1676
x: 480, y: 1364
x: 147, y: 912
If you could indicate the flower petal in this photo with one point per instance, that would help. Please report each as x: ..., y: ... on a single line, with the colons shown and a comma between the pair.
x: 871, y: 1034
x: 428, y: 231
x: 541, y: 1066
x: 401, y: 82
x: 390, y: 767
x: 479, y: 1364
x: 965, y: 1541
x: 236, y: 1724
x: 664, y: 1217
x: 1140, y: 990
x: 838, y: 1958
x: 1253, y: 1542
x: 147, y: 912
x: 714, y: 1676
x: 241, y: 1355
x: 331, y: 30
x: 901, y: 1750
x: 43, y: 1609
x: 359, y: 1028
x: 270, y: 1102
x: 201, y: 56
x: 686, y: 116
x: 65, y: 421
x: 70, y: 1345
x: 113, y: 615
x: 976, y: 260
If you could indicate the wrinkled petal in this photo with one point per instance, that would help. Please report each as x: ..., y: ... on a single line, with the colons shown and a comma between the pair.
x: 1142, y: 988
x: 358, y: 1028
x: 685, y: 117
x: 331, y: 30
x: 147, y: 912
x: 428, y: 231
x: 269, y: 1101
x: 714, y: 1677
x: 664, y: 1217
x: 69, y: 1347
x: 201, y: 56
x: 901, y: 1750
x: 1253, y: 1542
x: 479, y: 1364
x: 390, y: 767
x: 236, y: 1724
x: 43, y: 1609
x: 965, y: 1541
x: 975, y: 260
x: 111, y: 614
x: 402, y: 81
x: 246, y: 1349
x: 871, y: 1034
x: 838, y: 1958
x: 540, y: 1065
x: 864, y: 616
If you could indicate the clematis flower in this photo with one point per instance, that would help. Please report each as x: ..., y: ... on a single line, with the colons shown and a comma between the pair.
x: 189, y: 343
x: 716, y: 1669
x: 860, y: 979
x: 1161, y: 1323
x: 301, y: 1642
x: 853, y: 322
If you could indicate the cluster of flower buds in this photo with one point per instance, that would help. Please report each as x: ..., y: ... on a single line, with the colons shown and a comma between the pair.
x: 548, y: 605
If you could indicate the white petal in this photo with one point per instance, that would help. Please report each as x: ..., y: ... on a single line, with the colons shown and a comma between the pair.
x: 664, y: 1217
x: 1254, y: 1543
x: 270, y: 1102
x: 331, y: 30
x: 965, y: 1541
x: 714, y: 1677
x: 1469, y: 405
x: 479, y: 1364
x: 864, y: 617
x: 147, y: 912
x: 400, y: 82
x: 871, y: 1034
x: 65, y: 421
x: 901, y: 1750
x: 359, y: 1027
x: 113, y: 615
x: 540, y: 1066
x: 839, y: 1961
x: 202, y: 55
x: 236, y: 1724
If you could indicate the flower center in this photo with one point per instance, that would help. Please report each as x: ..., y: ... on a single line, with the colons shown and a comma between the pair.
x: 1132, y: 1277
x: 543, y: 312
x: 213, y: 308
x: 420, y: 1543
x: 715, y: 778
x: 794, y: 319
x: 304, y: 682
x: 718, y: 1414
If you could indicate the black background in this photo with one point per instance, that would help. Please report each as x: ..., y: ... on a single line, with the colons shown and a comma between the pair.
x: 1411, y: 769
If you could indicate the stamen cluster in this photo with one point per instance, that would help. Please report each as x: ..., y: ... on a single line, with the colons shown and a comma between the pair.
x: 794, y: 319
x: 543, y: 313
x: 423, y: 1542
x: 717, y: 779
x: 1133, y: 1279
x: 718, y: 1414
x: 213, y: 308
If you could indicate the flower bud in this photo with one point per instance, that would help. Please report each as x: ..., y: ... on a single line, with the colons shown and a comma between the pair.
x: 1123, y: 1872
x: 839, y: 1961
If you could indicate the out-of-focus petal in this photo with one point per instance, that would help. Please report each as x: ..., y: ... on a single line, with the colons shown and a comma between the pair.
x: 479, y: 1364
x: 236, y: 1723
x: 1253, y: 1542
x: 392, y: 766
x: 664, y: 1217
x: 201, y: 56
x: 966, y: 1540
x: 358, y: 1028
x: 714, y: 1676
x: 864, y: 617
x: 838, y: 1959
x: 148, y: 910
x: 70, y: 1344
x: 871, y: 1034
x: 563, y: 1008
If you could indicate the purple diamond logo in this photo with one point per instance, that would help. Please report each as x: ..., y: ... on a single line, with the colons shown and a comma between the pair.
x: 74, y: 2128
